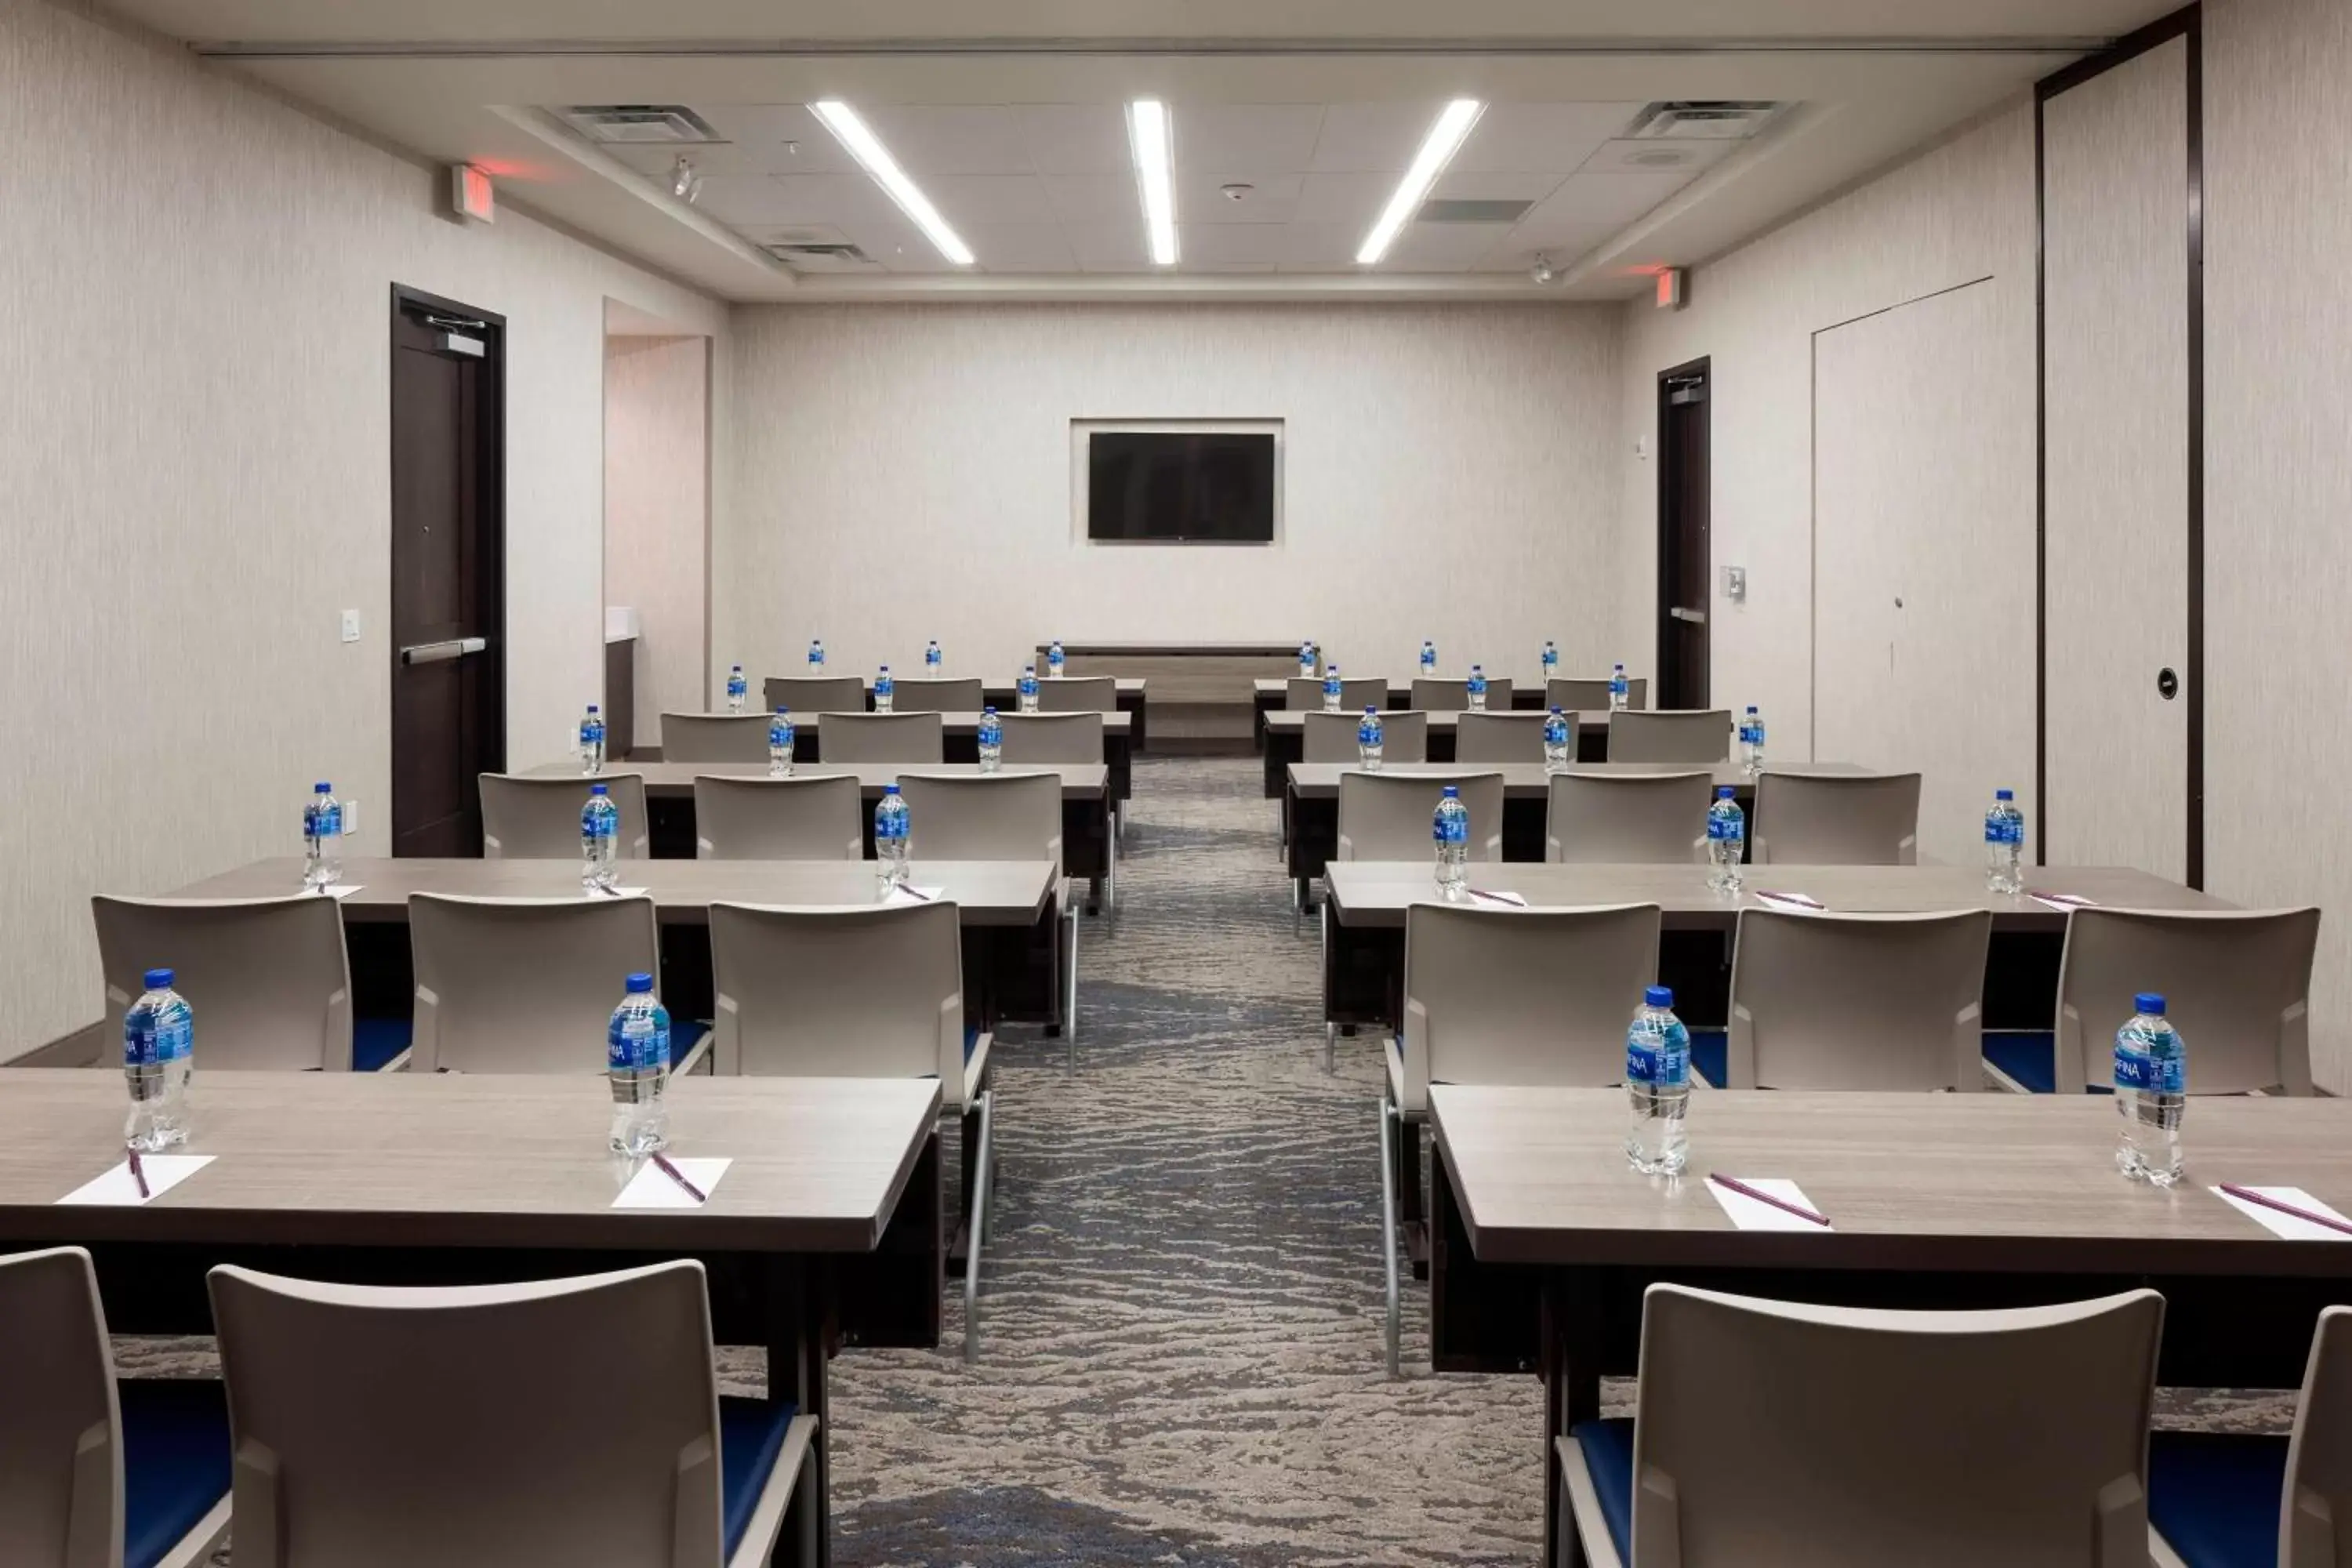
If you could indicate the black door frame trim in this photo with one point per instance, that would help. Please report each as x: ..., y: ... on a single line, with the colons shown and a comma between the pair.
x: 1701, y: 367
x: 2186, y: 23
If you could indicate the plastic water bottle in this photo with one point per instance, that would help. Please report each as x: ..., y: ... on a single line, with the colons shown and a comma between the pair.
x: 738, y: 689
x: 159, y: 1041
x: 1751, y: 742
x: 992, y: 741
x: 1055, y: 659
x: 2151, y: 1091
x: 781, y: 740
x: 1727, y: 836
x: 1550, y: 661
x: 2005, y: 843
x: 1307, y: 657
x: 816, y: 655
x: 323, y: 836
x: 893, y: 840
x: 636, y: 1061
x: 1332, y: 689
x: 884, y: 688
x: 1028, y: 688
x: 1477, y: 684
x: 1428, y: 658
x: 1657, y: 1083
x: 600, y: 840
x: 1620, y: 689
x: 592, y: 741
x: 1560, y: 745
x: 1368, y: 741
x: 934, y: 663
x: 1451, y: 831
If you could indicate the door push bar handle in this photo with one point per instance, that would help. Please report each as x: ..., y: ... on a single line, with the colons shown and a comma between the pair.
x: 435, y: 652
x: 1696, y: 617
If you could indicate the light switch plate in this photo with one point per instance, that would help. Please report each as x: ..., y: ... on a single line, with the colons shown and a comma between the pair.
x: 351, y: 626
x: 1735, y: 583
x: 351, y: 817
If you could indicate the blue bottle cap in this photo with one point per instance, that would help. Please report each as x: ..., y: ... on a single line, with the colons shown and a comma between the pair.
x: 1657, y: 997
x: 1723, y: 791
x: 322, y: 787
x: 1555, y: 707
x: 596, y: 789
x: 640, y: 982
x: 1330, y: 669
x: 2149, y: 1003
x: 1476, y: 668
x: 782, y: 710
x: 889, y: 789
x: 591, y: 708
x: 1751, y: 707
x: 2004, y: 794
x: 159, y: 980
x: 990, y: 710
x: 736, y: 669
x: 885, y: 670
x: 1452, y: 793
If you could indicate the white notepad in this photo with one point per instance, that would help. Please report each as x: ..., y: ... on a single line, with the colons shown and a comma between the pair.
x: 2285, y: 1226
x: 117, y: 1188
x: 654, y: 1188
x: 1749, y: 1215
x: 2061, y: 901
x: 914, y: 895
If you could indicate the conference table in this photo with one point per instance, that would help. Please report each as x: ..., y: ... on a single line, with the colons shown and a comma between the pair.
x: 826, y: 1229
x: 1005, y: 696
x: 1286, y: 741
x: 1268, y: 695
x: 1544, y: 1238
x: 960, y: 734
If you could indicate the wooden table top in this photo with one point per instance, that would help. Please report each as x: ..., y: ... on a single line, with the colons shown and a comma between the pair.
x: 1275, y: 685
x: 987, y: 892
x: 463, y: 1160
x: 1293, y: 721
x: 1952, y: 1183
x: 1080, y: 781
x: 1373, y: 893
x: 1320, y: 780
x: 1118, y: 723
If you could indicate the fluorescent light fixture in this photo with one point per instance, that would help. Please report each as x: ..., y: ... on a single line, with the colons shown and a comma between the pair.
x: 1155, y: 170
x: 866, y: 147
x: 1437, y: 150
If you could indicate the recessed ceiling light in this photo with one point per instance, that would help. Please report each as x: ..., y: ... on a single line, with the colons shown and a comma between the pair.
x: 875, y: 158
x: 1437, y: 150
x: 1152, y: 137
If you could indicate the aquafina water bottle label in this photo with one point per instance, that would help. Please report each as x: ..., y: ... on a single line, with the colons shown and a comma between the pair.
x: 1555, y: 731
x: 1725, y: 826
x: 1453, y: 826
x: 1641, y: 1055
x: 2166, y: 1071
x: 153, y: 1036
x: 1367, y: 734
x: 2132, y: 1065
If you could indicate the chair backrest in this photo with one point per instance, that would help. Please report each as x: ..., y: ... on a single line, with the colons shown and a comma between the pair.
x: 1772, y: 1435
x: 985, y: 816
x: 1304, y: 693
x: 60, y: 1428
x: 1675, y: 735
x: 1858, y: 1001
x: 1821, y: 819
x: 267, y: 978
x: 821, y: 817
x: 1079, y: 694
x: 1331, y: 737
x: 1639, y: 819
x: 1073, y: 737
x: 1388, y: 817
x: 532, y: 817
x: 2236, y: 984
x: 1502, y: 737
x: 936, y: 694
x: 1522, y: 997
x: 473, y: 1423
x: 2315, y: 1504
x: 714, y: 737
x: 881, y: 738
x: 1440, y: 694
x: 815, y: 693
x: 522, y: 984
x: 839, y: 992
x: 1589, y: 694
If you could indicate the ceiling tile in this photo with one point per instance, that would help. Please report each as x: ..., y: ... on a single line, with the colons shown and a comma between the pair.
x: 1375, y: 138
x: 1109, y: 247
x: 1662, y: 156
x: 1094, y: 198
x: 1442, y: 247
x: 1277, y: 136
x: 779, y: 138
x: 1458, y: 185
x: 810, y: 198
x: 1320, y: 247
x: 1605, y: 200
x: 898, y: 245
x: 971, y: 200
x: 1540, y: 137
x: 1344, y: 198
x: 710, y: 159
x: 950, y: 138
x: 1075, y: 138
x: 1272, y: 198
x: 1020, y: 248
x: 1225, y: 246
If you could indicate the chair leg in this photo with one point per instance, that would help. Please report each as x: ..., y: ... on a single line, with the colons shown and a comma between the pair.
x: 980, y: 1195
x: 1070, y: 999
x: 1330, y: 1046
x: 1110, y: 886
x: 1389, y: 1216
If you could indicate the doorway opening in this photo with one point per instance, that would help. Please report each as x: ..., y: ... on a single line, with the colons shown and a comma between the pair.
x: 1684, y: 558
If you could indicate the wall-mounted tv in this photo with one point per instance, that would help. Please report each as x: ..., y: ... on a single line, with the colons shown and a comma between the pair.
x: 1180, y: 486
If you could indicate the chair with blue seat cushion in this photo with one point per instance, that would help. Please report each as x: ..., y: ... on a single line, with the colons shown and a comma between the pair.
x: 506, y: 1405
x: 268, y: 976
x: 1773, y: 1435
x: 381, y: 1045
x: 93, y: 1473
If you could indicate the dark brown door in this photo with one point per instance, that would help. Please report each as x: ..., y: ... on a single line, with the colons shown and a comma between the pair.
x: 448, y: 601
x: 1683, y: 550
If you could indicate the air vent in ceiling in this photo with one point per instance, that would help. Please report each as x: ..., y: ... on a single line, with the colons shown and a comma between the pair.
x: 639, y: 124
x: 1701, y: 119
x: 821, y: 256
x: 1460, y: 211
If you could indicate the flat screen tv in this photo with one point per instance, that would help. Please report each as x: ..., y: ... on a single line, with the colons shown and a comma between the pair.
x: 1180, y: 487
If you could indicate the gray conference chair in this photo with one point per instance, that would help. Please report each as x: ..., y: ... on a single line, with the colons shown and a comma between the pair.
x: 1043, y: 739
x: 1858, y: 1001
x: 268, y: 978
x: 525, y: 985
x: 1502, y: 737
x: 559, y: 1421
x: 1824, y: 819
x: 936, y: 694
x: 860, y: 993
x: 2236, y: 982
x: 533, y: 817
x: 1642, y: 819
x: 1304, y: 693
x: 1437, y: 694
x: 714, y: 737
x: 1079, y: 694
x: 1331, y: 737
x: 816, y: 817
x: 815, y: 693
x: 1678, y: 735
x: 1510, y: 998
x: 1590, y: 694
x: 1773, y: 1434
x: 1387, y: 816
x: 881, y: 738
x: 97, y: 1473
x: 1005, y: 817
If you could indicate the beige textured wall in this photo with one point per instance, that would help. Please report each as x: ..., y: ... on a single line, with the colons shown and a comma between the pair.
x: 1447, y: 474
x: 194, y: 439
x: 657, y: 518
